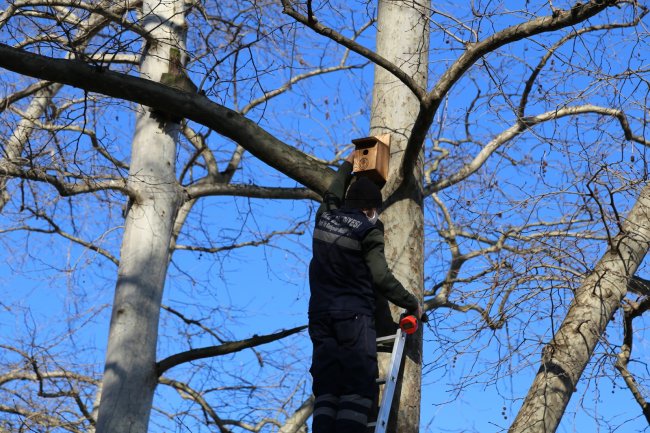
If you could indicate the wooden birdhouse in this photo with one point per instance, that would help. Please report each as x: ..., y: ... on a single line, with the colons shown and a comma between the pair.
x: 371, y: 158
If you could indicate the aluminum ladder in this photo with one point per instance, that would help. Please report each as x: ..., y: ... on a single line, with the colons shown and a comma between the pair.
x: 390, y: 382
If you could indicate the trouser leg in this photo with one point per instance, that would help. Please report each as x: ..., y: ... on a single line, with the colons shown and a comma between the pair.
x: 326, y: 373
x: 344, y: 371
x: 325, y: 410
x: 352, y: 416
x: 358, y: 357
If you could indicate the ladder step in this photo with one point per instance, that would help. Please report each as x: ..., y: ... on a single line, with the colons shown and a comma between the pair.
x: 388, y: 340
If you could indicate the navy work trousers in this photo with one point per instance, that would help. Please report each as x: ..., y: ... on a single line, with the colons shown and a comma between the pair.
x: 344, y: 371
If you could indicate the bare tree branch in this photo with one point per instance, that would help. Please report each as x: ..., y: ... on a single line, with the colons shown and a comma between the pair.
x: 296, y: 79
x: 193, y: 322
x: 248, y: 134
x: 16, y: 143
x: 552, y: 51
x: 623, y: 358
x: 42, y: 417
x: 98, y: 8
x: 522, y: 126
x: 312, y: 23
x: 429, y: 106
x: 187, y: 392
x: 297, y: 421
x: 224, y: 349
x: 56, y: 229
x: 265, y: 240
x: 24, y: 93
x: 211, y: 189
x: 64, y: 188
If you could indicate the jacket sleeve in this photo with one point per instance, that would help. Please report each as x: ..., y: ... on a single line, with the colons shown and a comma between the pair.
x: 335, y: 194
x: 384, y: 280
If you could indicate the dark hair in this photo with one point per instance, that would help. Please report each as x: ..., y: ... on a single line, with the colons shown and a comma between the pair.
x: 363, y: 194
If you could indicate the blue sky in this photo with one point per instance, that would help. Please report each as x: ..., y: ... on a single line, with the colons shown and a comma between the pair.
x: 49, y: 287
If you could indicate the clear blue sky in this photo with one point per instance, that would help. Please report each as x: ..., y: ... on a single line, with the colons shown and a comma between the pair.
x: 50, y: 288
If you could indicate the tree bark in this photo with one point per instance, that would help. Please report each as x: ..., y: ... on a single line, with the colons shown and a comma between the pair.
x: 403, y: 39
x: 130, y: 374
x: 565, y: 357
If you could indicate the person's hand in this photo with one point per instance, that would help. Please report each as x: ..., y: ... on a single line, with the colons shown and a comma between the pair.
x: 417, y: 313
x: 350, y: 158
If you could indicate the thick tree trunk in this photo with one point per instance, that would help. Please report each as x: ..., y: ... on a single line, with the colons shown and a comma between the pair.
x: 130, y: 375
x: 402, y: 38
x: 565, y: 357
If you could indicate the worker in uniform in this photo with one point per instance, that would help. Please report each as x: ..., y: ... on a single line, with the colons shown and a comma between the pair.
x: 347, y: 269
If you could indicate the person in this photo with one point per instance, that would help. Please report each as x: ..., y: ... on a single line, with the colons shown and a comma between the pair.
x: 347, y: 269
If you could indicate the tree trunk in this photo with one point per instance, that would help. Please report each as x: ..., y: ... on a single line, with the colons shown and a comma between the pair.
x: 565, y: 357
x: 130, y: 375
x: 402, y: 38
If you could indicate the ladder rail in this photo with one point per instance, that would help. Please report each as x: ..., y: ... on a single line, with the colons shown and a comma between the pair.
x: 391, y: 382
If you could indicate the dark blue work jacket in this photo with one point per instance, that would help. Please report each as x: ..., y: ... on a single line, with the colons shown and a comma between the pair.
x: 339, y: 277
